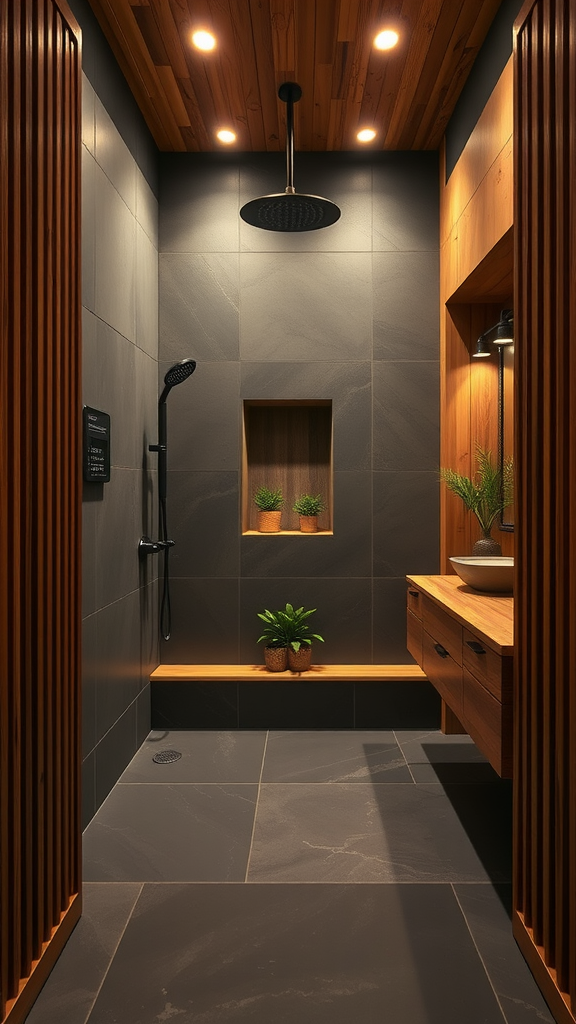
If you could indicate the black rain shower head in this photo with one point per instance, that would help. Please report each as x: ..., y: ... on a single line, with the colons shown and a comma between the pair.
x: 289, y: 211
x: 175, y: 375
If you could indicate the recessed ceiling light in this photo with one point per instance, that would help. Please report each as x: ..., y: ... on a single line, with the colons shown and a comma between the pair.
x: 366, y: 135
x: 386, y: 40
x: 203, y: 40
x: 225, y: 135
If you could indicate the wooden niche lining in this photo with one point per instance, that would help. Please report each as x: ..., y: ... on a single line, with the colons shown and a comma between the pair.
x: 287, y: 444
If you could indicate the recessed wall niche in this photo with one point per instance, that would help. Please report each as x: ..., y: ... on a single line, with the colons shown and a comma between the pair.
x: 287, y: 444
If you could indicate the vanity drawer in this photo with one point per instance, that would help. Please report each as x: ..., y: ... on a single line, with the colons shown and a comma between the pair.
x: 445, y: 630
x: 414, y: 602
x: 414, y: 636
x: 444, y: 672
x: 489, y: 723
x: 491, y: 669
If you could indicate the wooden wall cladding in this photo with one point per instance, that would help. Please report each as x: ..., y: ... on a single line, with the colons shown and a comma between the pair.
x: 40, y: 594
x: 544, y: 915
x: 476, y: 282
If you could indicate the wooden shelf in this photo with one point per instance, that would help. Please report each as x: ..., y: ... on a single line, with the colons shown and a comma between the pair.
x: 259, y: 673
x: 288, y: 533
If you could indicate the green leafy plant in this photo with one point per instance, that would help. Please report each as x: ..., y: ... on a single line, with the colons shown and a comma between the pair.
x: 267, y: 500
x: 309, y: 505
x: 288, y: 627
x: 488, y: 493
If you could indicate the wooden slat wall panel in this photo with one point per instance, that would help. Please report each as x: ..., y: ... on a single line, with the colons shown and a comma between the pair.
x: 39, y: 494
x: 545, y: 399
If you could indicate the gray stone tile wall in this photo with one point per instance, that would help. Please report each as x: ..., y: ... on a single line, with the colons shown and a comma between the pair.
x: 348, y: 313
x: 120, y: 377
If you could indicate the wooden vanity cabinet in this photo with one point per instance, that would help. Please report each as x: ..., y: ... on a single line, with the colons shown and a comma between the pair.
x: 463, y: 640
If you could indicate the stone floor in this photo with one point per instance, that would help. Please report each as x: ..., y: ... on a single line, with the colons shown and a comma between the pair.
x: 298, y: 877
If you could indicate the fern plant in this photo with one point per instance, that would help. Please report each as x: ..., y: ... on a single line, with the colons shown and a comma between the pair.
x: 488, y: 493
x: 267, y: 500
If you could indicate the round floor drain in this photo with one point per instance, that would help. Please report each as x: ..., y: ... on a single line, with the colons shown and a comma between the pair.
x: 166, y: 756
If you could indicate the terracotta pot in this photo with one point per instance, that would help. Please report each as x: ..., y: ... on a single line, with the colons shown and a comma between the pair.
x: 299, y: 661
x: 269, y: 522
x: 276, y: 658
x: 487, y: 546
x: 308, y: 524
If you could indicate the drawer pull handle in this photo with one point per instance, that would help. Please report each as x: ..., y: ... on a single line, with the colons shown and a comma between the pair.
x: 414, y: 593
x: 476, y: 647
x: 441, y: 650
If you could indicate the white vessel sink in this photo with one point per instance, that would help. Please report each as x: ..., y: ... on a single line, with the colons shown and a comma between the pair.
x: 494, y: 574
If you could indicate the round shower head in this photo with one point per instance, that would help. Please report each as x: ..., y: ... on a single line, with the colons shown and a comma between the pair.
x: 176, y: 374
x: 179, y: 372
x: 289, y: 211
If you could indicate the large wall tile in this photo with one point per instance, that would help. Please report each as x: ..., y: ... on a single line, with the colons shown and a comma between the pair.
x: 346, y: 553
x: 146, y: 293
x: 204, y: 521
x: 89, y: 806
x: 406, y: 415
x: 88, y: 114
x: 118, y: 660
x: 114, y: 157
x: 204, y: 622
x: 348, y: 385
x: 390, y: 622
x: 342, y: 616
x: 146, y: 208
x: 89, y: 682
x: 298, y: 306
x: 116, y: 393
x: 406, y: 523
x: 406, y: 311
x: 198, y: 204
x: 347, y: 183
x: 118, y: 531
x: 89, y: 214
x: 204, y: 418
x: 405, y: 202
x: 115, y: 233
x: 114, y: 752
x: 199, y: 305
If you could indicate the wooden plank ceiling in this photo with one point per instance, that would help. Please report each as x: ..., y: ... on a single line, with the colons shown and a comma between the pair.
x: 407, y: 94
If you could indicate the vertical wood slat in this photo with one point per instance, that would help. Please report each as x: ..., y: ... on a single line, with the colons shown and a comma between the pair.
x: 545, y: 266
x: 39, y: 494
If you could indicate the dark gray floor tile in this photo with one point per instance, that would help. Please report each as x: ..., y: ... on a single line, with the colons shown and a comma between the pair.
x: 384, y: 833
x: 334, y: 757
x: 430, y: 746
x: 206, y: 757
x: 175, y: 832
x: 454, y: 772
x: 487, y: 910
x: 71, y: 989
x: 314, y: 954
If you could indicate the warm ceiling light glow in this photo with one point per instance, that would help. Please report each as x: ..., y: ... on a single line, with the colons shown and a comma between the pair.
x: 203, y: 40
x: 366, y: 135
x: 226, y: 136
x: 386, y: 40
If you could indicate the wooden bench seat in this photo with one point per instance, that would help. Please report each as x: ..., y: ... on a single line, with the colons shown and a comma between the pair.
x: 259, y: 673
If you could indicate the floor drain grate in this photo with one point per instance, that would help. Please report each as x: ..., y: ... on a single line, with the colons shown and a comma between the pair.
x: 166, y: 756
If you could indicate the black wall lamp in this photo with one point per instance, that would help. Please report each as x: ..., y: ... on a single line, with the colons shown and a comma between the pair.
x: 504, y: 334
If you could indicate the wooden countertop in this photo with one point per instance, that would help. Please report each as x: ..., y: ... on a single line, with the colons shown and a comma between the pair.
x: 491, y: 616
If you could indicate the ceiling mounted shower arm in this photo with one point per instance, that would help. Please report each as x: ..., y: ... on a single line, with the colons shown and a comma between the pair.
x: 290, y: 93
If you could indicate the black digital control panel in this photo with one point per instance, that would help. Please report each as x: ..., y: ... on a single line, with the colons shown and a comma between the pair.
x: 96, y: 445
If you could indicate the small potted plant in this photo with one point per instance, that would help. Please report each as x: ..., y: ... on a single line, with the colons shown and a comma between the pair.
x: 276, y: 649
x: 298, y: 636
x: 309, y: 507
x: 269, y: 504
x: 486, y: 495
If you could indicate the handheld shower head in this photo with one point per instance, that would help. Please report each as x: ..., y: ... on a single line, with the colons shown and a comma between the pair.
x: 175, y: 375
